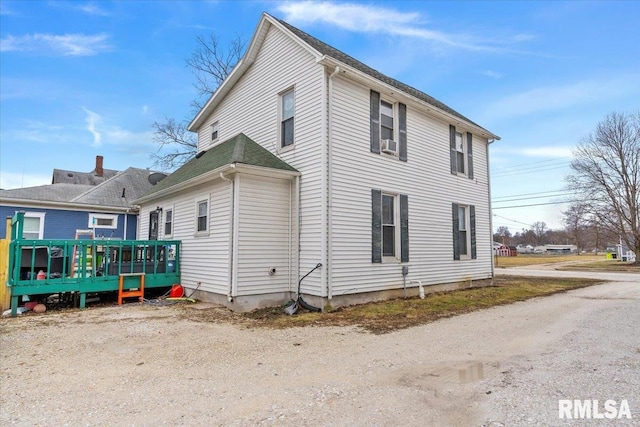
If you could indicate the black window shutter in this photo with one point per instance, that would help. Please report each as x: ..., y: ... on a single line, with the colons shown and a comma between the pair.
x: 456, y: 231
x: 470, y: 155
x: 472, y: 225
x: 452, y: 146
x: 375, y: 121
x: 402, y: 113
x: 404, y: 228
x: 376, y: 226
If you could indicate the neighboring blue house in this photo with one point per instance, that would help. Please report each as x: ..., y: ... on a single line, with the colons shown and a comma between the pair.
x: 99, y: 200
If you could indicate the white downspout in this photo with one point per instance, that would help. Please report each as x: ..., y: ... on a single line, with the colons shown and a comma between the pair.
x: 126, y: 214
x: 231, y: 234
x: 329, y: 188
x: 298, y: 227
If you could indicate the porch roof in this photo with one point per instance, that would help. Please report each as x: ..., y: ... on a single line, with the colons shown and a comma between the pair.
x: 239, y: 149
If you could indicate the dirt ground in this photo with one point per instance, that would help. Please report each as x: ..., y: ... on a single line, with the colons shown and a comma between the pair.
x: 142, y: 365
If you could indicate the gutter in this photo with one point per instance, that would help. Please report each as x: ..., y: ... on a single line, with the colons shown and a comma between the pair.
x: 65, y: 205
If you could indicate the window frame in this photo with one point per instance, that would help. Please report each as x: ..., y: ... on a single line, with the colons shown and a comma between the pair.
x: 98, y: 216
x: 166, y: 212
x: 215, y: 131
x: 396, y: 228
x: 394, y: 121
x: 281, y: 119
x: 464, y: 209
x: 462, y: 152
x: 40, y: 216
x: 198, y: 201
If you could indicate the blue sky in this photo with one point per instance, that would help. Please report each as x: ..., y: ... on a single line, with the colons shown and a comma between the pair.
x: 80, y: 79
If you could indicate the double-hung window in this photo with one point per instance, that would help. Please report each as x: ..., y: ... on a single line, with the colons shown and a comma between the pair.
x: 215, y: 127
x: 168, y: 222
x: 287, y: 113
x: 202, y: 215
x: 464, y: 231
x: 386, y: 121
x: 33, y: 225
x: 388, y: 126
x: 461, y: 145
x: 389, y: 227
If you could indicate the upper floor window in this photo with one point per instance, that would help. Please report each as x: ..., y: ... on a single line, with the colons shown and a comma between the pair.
x: 287, y: 113
x: 168, y: 222
x: 388, y: 122
x: 460, y: 153
x: 214, y: 131
x: 33, y: 225
x: 461, y: 145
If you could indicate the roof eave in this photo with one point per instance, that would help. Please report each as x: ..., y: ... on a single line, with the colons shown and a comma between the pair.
x: 64, y: 205
x: 371, y: 81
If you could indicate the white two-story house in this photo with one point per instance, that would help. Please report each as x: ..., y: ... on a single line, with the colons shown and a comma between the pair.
x: 309, y: 156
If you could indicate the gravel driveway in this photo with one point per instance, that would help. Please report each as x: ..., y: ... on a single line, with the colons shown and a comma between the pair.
x: 141, y: 365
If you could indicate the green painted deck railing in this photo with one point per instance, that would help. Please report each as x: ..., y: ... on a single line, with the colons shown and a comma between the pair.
x: 38, y: 267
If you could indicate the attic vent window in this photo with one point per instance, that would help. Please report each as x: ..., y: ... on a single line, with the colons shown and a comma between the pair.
x: 70, y: 175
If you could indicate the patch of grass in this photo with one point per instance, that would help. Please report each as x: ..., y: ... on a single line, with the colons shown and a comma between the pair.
x: 534, y: 259
x: 387, y: 316
x: 608, y: 265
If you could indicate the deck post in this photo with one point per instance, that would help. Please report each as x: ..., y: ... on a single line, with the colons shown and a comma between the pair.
x: 83, y: 299
x: 14, y: 306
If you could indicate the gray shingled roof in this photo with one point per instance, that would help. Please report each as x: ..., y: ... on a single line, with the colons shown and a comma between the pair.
x: 334, y: 53
x: 51, y: 192
x: 133, y: 181
x: 61, y: 176
x: 239, y: 149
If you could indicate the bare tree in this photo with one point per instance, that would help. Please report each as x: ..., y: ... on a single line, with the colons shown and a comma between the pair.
x: 539, y: 229
x: 576, y: 220
x: 606, y: 176
x: 210, y: 64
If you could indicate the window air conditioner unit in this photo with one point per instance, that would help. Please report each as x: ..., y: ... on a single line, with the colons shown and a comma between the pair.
x: 389, y: 146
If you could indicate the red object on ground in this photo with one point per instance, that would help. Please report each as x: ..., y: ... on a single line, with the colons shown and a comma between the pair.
x: 177, y: 291
x: 41, y: 275
x: 30, y: 305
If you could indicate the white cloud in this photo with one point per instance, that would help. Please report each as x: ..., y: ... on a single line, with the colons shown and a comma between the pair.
x: 92, y: 9
x: 106, y: 133
x: 492, y: 74
x: 9, y: 180
x: 93, y: 120
x: 377, y: 19
x: 553, y: 98
x: 51, y: 44
x: 145, y: 110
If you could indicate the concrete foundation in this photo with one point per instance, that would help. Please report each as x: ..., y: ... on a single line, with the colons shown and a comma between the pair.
x: 251, y: 302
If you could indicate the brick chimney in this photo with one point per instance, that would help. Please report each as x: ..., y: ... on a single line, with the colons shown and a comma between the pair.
x: 99, y: 170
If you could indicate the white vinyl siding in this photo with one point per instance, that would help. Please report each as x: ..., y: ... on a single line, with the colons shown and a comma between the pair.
x: 265, y: 239
x: 252, y: 108
x: 202, y: 260
x: 426, y: 179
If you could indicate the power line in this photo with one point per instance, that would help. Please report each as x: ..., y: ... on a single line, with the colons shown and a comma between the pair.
x: 527, y: 171
x: 512, y: 220
x: 531, y: 198
x: 532, y: 163
x: 536, y: 204
x: 528, y: 194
